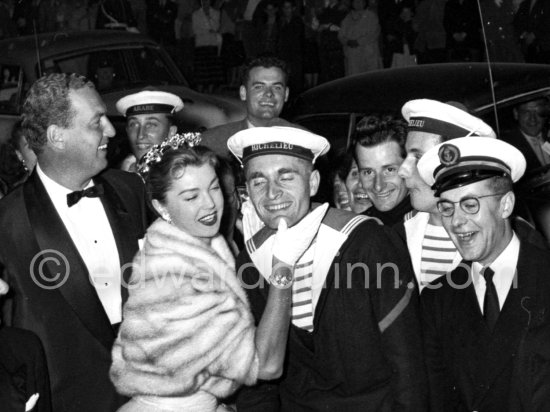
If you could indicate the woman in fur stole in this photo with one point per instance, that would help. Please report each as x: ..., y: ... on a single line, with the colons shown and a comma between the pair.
x: 188, y: 336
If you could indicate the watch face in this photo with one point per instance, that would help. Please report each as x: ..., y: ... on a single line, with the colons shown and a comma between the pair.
x: 281, y: 276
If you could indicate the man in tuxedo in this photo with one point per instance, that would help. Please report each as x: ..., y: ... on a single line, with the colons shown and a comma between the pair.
x: 475, y: 317
x: 69, y: 234
x: 530, y: 135
x: 264, y: 91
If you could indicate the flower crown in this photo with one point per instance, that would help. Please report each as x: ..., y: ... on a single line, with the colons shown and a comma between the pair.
x: 154, y: 155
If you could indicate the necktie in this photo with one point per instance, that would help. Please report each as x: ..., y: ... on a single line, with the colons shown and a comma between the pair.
x: 74, y: 197
x: 491, y: 307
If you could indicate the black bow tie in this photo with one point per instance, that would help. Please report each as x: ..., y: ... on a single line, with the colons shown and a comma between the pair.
x: 74, y: 197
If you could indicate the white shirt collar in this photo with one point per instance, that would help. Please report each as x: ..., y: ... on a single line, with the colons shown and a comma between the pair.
x: 58, y: 193
x: 504, y: 266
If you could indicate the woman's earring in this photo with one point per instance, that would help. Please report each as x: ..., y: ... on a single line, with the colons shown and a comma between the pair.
x: 167, y: 218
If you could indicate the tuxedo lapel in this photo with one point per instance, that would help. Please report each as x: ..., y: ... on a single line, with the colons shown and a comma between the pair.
x: 51, y: 234
x: 121, y: 226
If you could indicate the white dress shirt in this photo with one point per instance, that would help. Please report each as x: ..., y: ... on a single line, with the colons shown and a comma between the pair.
x: 537, y: 144
x: 91, y: 233
x: 505, y: 267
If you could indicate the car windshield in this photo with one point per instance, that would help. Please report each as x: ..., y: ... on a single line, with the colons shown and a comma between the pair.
x: 116, y: 69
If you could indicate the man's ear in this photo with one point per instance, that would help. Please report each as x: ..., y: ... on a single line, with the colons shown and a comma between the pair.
x: 242, y: 93
x: 287, y: 92
x: 516, y: 114
x: 55, y: 137
x: 173, y: 130
x: 314, y: 181
x: 507, y: 203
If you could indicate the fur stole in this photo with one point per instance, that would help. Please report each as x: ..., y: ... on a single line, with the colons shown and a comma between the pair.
x: 187, y: 324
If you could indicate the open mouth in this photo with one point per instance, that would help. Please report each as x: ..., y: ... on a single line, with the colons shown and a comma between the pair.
x: 384, y: 195
x: 465, y: 237
x: 209, y: 220
x: 277, y: 207
x: 102, y: 147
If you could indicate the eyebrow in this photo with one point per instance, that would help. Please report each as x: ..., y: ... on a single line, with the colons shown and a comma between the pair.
x: 286, y: 170
x: 196, y: 189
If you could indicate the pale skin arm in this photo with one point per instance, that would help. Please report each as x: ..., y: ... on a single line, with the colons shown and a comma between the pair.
x: 272, y: 331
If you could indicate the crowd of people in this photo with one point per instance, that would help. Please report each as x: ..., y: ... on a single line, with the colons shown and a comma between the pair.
x: 211, y: 39
x: 182, y: 283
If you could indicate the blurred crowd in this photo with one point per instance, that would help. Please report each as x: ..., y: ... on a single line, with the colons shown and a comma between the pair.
x: 321, y: 39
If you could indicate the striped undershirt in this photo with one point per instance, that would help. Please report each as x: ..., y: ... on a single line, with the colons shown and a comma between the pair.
x: 302, y: 304
x: 438, y: 252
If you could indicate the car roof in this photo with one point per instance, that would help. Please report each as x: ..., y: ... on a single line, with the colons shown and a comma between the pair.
x: 389, y: 89
x: 53, y: 44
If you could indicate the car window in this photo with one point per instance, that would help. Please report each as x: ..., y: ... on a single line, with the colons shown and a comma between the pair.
x: 105, y: 68
x: 9, y: 88
x: 150, y: 66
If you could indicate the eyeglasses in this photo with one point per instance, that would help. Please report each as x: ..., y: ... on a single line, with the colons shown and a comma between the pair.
x: 469, y: 205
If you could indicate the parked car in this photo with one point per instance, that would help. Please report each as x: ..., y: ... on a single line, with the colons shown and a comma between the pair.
x: 119, y: 63
x: 333, y: 109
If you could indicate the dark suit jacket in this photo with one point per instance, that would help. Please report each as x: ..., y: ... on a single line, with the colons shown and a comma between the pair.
x: 217, y: 137
x: 516, y: 138
x: 23, y: 371
x: 468, y: 367
x: 65, y: 312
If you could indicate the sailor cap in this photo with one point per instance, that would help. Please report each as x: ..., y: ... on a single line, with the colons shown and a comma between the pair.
x: 466, y: 160
x: 443, y: 119
x: 290, y: 141
x: 149, y: 101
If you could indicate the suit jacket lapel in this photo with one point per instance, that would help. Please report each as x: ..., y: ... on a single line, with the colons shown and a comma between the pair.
x: 51, y: 234
x: 513, y: 320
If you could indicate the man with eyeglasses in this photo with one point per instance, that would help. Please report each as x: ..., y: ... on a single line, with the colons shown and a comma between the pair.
x: 429, y: 123
x: 475, y: 317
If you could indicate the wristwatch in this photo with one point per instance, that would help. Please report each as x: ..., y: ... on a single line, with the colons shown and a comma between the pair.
x: 281, y: 276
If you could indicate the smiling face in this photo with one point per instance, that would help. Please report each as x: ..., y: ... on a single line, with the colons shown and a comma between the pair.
x: 194, y: 202
x: 146, y: 130
x: 532, y: 116
x: 359, y: 199
x: 378, y: 166
x: 280, y: 187
x: 265, y: 93
x: 86, y: 138
x: 479, y: 237
x: 422, y: 196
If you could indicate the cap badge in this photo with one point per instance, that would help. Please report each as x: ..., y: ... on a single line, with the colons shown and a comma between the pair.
x: 449, y: 155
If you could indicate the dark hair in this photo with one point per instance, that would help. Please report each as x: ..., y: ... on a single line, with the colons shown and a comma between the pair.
x: 47, y: 102
x: 172, y: 166
x: 16, y: 135
x: 342, y: 165
x: 501, y: 184
x: 12, y: 169
x: 373, y: 130
x: 266, y: 61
